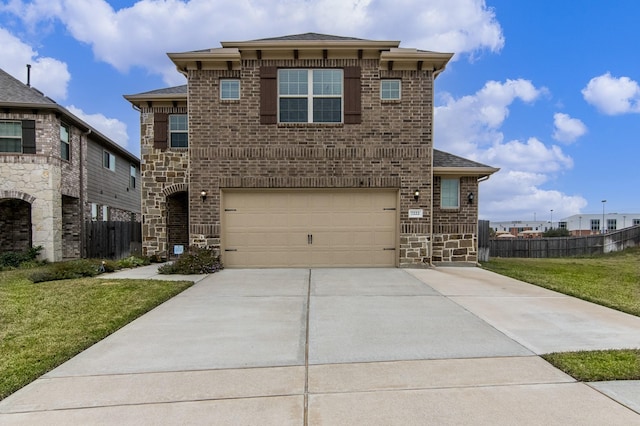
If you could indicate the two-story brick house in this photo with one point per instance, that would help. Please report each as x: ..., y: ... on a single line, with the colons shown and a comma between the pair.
x: 305, y: 150
x: 56, y: 173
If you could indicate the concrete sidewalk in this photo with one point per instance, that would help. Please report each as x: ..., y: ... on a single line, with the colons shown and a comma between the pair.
x: 341, y: 346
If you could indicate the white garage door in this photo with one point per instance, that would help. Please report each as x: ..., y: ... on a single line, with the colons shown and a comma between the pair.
x: 309, y: 228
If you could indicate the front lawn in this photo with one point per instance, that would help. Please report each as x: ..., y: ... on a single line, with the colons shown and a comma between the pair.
x: 42, y: 325
x: 612, y: 280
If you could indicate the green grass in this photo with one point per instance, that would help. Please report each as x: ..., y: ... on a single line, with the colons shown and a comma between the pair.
x: 42, y: 325
x: 611, y: 280
x: 595, y: 366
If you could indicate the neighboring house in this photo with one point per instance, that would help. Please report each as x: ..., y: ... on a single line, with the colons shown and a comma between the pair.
x: 56, y: 172
x: 305, y: 150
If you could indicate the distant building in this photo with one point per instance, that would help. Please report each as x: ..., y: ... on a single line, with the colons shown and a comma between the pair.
x: 577, y: 225
x: 590, y: 224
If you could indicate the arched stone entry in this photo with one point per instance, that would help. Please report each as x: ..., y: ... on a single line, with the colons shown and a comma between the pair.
x: 177, y: 221
x: 15, y: 225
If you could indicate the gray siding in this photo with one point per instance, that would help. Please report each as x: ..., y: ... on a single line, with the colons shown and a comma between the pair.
x: 109, y: 188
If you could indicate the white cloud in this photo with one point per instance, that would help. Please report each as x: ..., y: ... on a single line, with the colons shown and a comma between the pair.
x: 470, y: 126
x: 613, y: 96
x: 140, y: 35
x: 114, y: 129
x: 567, y: 129
x: 48, y: 75
x: 464, y: 124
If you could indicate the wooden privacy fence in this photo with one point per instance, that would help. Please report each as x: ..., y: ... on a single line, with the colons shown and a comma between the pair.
x: 565, y: 246
x: 112, y: 240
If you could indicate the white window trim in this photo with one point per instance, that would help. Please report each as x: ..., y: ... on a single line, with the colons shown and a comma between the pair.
x: 399, y: 89
x: 310, y: 96
x: 105, y: 213
x: 94, y: 211
x: 228, y: 80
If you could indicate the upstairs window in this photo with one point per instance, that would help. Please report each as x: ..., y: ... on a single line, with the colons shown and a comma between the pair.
x: 390, y: 90
x: 229, y: 89
x: 11, y: 136
x: 178, y: 131
x: 450, y: 193
x: 612, y: 224
x: 64, y: 143
x: 310, y: 96
x: 132, y: 176
x: 109, y: 161
x: 636, y: 222
x: 595, y: 224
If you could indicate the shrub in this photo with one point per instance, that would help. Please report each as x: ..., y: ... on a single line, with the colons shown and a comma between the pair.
x: 16, y: 259
x: 133, y: 262
x: 194, y: 261
x: 66, y: 270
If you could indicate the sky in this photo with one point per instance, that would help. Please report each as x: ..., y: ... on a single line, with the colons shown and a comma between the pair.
x: 546, y: 90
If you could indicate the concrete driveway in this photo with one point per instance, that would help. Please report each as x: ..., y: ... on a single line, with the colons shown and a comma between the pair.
x: 342, y: 347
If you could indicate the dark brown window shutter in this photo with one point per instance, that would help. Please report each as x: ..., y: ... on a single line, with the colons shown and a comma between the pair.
x: 28, y: 136
x: 160, y: 129
x: 352, y: 96
x: 268, y: 95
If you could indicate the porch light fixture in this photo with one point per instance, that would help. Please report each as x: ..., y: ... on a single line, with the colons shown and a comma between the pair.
x: 470, y: 198
x: 416, y: 194
x: 203, y: 195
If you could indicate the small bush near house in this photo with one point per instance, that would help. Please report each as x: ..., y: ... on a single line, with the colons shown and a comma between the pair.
x: 11, y: 259
x: 195, y: 260
x: 79, y: 268
x: 133, y: 262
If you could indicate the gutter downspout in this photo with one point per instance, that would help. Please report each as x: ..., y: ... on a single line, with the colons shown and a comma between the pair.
x: 82, y: 197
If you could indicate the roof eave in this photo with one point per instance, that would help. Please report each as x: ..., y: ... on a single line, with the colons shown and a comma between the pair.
x: 481, y: 172
x: 163, y: 97
x: 310, y: 44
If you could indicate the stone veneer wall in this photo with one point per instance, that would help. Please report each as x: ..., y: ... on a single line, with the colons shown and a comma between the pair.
x: 455, y: 248
x: 39, y: 182
x: 162, y: 173
x: 414, y: 250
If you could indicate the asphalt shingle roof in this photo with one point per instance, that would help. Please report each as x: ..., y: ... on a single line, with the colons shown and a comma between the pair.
x: 15, y: 91
x: 309, y: 36
x: 175, y: 90
x: 444, y: 159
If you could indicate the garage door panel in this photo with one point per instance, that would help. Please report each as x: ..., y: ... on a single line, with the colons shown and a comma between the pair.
x: 309, y: 228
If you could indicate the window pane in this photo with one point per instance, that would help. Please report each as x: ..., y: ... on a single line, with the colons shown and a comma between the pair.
x: 64, y: 134
x: 64, y: 150
x: 230, y: 89
x: 327, y: 82
x: 10, y: 145
x: 178, y: 122
x: 179, y: 140
x: 11, y: 129
x: 105, y: 159
x: 292, y: 82
x: 449, y: 193
x: 390, y: 89
x: 327, y: 110
x: 293, y: 110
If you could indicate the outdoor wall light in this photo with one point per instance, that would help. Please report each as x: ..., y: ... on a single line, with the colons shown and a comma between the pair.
x: 470, y: 198
x: 416, y: 194
x: 203, y: 195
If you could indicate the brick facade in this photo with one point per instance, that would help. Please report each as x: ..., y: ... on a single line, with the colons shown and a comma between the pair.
x: 390, y: 146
